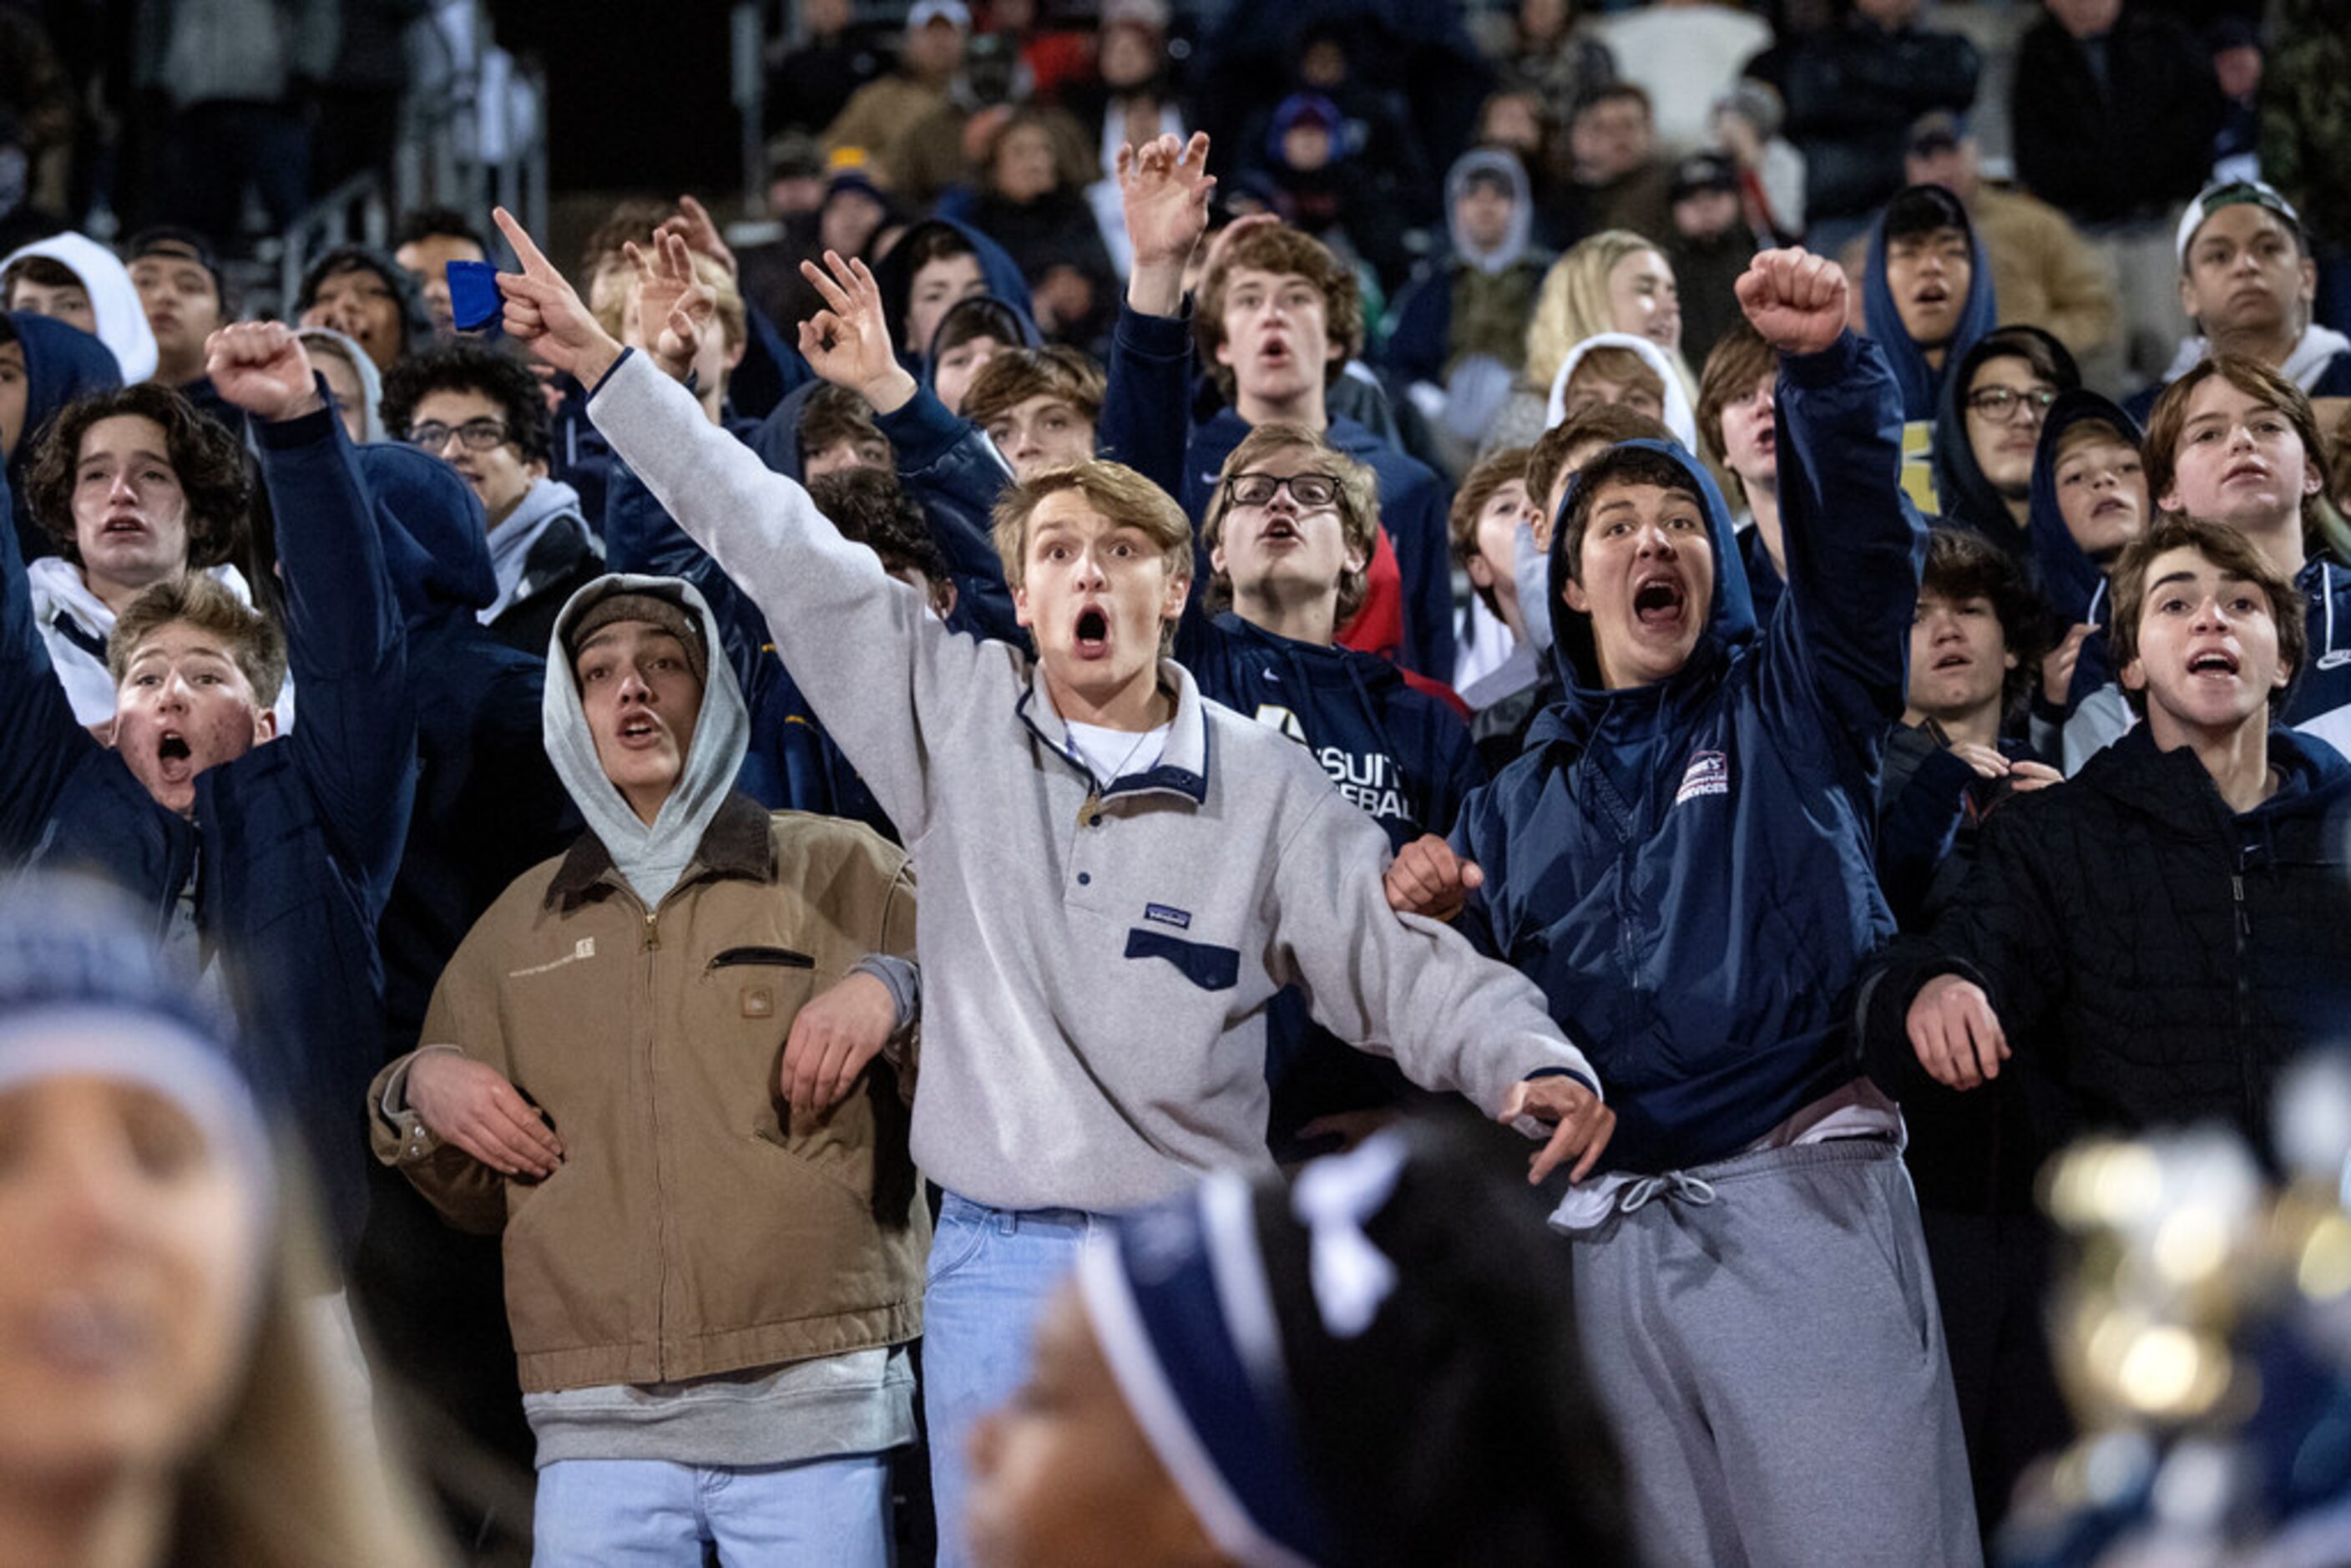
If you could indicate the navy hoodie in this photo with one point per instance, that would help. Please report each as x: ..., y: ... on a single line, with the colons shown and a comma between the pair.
x: 894, y: 278
x: 291, y: 852
x: 61, y: 363
x: 488, y: 805
x: 2072, y: 584
x: 1686, y: 868
x: 1921, y: 384
x: 1970, y: 498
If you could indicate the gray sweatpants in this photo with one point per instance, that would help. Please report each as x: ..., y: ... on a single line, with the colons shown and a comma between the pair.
x: 1764, y: 1332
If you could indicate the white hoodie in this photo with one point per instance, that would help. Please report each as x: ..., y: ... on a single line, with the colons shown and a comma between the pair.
x: 121, y: 319
x: 1678, y: 418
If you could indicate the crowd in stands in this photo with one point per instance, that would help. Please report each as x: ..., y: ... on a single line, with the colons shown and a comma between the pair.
x: 1352, y: 783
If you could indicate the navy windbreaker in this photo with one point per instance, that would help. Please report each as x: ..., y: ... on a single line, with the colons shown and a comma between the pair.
x: 1686, y: 868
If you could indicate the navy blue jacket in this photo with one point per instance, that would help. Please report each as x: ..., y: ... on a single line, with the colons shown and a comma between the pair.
x: 1922, y: 383
x: 61, y: 363
x: 1686, y: 868
x: 1413, y: 501
x: 488, y: 805
x: 1970, y: 499
x: 293, y: 846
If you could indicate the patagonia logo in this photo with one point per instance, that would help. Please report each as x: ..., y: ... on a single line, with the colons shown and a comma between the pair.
x: 1167, y: 914
x: 583, y: 949
x: 1709, y: 773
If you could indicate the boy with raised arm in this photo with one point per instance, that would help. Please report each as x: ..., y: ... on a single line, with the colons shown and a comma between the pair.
x: 1117, y: 875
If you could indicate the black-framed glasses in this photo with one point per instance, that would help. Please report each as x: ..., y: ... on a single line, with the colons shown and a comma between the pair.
x: 2000, y: 402
x: 477, y: 434
x: 1306, y: 489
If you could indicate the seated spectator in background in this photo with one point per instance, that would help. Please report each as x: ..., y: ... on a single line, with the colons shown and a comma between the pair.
x: 1737, y: 396
x: 1039, y: 406
x: 186, y: 302
x: 2246, y: 283
x: 939, y: 154
x: 368, y: 298
x: 830, y: 60
x: 2234, y: 442
x: 1457, y: 338
x: 2042, y: 273
x: 1746, y: 126
x: 935, y: 264
x: 1615, y: 368
x: 1276, y: 320
x: 1689, y: 736
x: 1989, y: 429
x: 971, y: 333
x: 1290, y: 536
x: 153, y: 1209
x: 1484, y: 521
x: 1380, y: 126
x: 1520, y: 121
x: 2089, y: 501
x: 878, y: 116
x: 2234, y: 47
x: 1386, y: 1438
x: 352, y: 380
x: 1619, y: 181
x: 1927, y: 297
x: 80, y: 282
x: 2113, y: 112
x: 1975, y: 651
x: 425, y: 244
x: 1854, y: 91
x: 1684, y: 54
x: 2151, y: 943
x: 1614, y: 281
x: 264, y: 860
x: 1321, y: 185
x: 479, y: 410
x: 137, y: 489
x: 1555, y: 51
x: 783, y: 1368
x: 1710, y: 245
x: 44, y: 365
x: 1034, y: 205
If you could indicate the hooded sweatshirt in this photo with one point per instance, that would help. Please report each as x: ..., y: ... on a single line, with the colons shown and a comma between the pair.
x: 121, y: 319
x: 415, y: 321
x: 2320, y: 364
x: 540, y: 555
x: 1684, y: 867
x: 75, y: 623
x: 1470, y: 308
x: 893, y: 275
x: 1970, y: 499
x: 61, y: 363
x: 370, y: 379
x: 650, y: 855
x: 1921, y: 384
x: 1678, y: 416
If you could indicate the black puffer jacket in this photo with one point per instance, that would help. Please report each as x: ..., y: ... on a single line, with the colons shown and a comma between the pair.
x: 2155, y: 957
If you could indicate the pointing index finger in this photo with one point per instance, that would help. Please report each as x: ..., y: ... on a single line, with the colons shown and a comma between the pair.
x: 534, y: 260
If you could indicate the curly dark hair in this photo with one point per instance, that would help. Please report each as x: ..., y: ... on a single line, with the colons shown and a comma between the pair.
x: 1962, y: 564
x: 467, y: 365
x: 213, y: 470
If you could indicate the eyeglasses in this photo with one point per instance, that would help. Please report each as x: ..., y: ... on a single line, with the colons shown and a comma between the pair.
x: 478, y: 435
x: 2000, y: 402
x: 1306, y: 489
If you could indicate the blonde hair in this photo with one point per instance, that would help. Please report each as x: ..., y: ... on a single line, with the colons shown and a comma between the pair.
x: 1358, y: 505
x: 1117, y: 492
x: 1572, y: 304
x: 285, y: 1482
x: 251, y: 639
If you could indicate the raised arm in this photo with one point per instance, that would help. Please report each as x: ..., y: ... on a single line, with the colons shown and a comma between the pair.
x: 872, y: 660
x: 41, y: 743
x: 1163, y: 187
x: 345, y: 638
x: 1855, y: 543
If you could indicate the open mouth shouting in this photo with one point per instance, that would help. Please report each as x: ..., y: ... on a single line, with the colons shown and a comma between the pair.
x: 1279, y: 531
x: 2217, y: 664
x: 174, y: 760
x: 1660, y: 602
x: 1092, y: 632
x: 641, y: 730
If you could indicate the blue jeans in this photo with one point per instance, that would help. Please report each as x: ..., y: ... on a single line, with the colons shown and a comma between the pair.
x: 991, y: 1272
x: 650, y: 1513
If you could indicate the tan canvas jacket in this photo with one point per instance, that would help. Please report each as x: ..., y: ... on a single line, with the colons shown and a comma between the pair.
x: 696, y: 1225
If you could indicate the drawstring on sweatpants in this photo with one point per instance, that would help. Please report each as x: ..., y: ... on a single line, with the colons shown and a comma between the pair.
x: 1696, y: 1191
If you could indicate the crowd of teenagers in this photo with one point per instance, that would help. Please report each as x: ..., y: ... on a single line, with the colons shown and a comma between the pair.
x: 1137, y: 853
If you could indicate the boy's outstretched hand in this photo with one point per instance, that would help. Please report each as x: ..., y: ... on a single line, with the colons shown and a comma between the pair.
x: 1164, y: 187
x: 1581, y: 1125
x: 261, y: 368
x: 847, y: 342
x: 546, y: 314
x: 673, y: 307
x: 1795, y: 300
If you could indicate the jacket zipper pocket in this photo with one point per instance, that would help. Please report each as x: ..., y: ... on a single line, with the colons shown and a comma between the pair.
x: 781, y: 958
